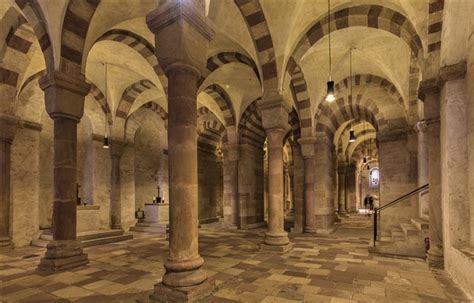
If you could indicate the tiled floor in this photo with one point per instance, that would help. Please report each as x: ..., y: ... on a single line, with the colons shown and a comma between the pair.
x: 337, y: 268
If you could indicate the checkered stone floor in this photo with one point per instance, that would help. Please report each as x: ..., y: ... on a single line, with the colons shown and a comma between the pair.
x: 337, y: 268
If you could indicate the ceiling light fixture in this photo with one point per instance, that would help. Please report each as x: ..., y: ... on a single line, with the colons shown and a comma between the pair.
x: 330, y: 89
x: 352, y: 136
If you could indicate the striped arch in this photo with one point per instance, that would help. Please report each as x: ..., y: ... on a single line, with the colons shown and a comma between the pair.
x: 331, y: 116
x: 142, y: 46
x: 223, y: 101
x: 254, y: 17
x: 220, y: 59
x: 372, y: 80
x: 211, y: 132
x: 251, y: 130
x: 129, y: 95
x: 361, y: 134
x: 76, y: 23
x: 299, y: 90
x: 14, y: 61
x: 294, y: 122
x: 363, y: 137
x: 435, y: 24
x: 154, y: 106
x: 33, y: 14
x: 368, y: 149
x: 372, y: 16
x: 100, y: 98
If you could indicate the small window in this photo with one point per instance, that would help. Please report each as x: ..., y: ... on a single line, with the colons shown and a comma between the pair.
x: 374, y: 178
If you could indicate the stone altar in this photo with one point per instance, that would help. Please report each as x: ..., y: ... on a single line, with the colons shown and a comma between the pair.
x: 88, y: 218
x: 156, y: 212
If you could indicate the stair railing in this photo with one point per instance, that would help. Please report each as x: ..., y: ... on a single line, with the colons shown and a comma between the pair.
x: 377, y: 211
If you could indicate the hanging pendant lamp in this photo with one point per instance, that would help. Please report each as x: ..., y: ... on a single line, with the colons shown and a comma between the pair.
x: 330, y: 84
x: 365, y: 159
x: 105, y: 142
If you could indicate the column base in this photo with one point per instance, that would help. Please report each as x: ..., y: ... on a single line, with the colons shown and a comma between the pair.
x: 276, y: 238
x: 277, y: 248
x: 116, y: 226
x: 164, y: 293
x: 296, y: 230
x: 62, y: 255
x: 435, y: 259
x: 5, y: 244
x: 309, y: 230
x: 325, y: 231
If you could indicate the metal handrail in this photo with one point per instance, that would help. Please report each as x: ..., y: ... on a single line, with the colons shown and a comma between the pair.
x: 396, y: 201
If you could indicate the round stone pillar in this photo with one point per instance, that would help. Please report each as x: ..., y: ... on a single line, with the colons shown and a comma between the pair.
x: 431, y: 95
x: 341, y: 189
x: 276, y: 236
x: 423, y: 197
x: 183, y: 266
x: 116, y: 150
x: 7, y: 132
x: 64, y: 98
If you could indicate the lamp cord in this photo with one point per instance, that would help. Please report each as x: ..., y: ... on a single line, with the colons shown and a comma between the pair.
x: 329, y: 30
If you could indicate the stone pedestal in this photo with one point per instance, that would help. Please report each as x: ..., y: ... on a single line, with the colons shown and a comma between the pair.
x: 156, y: 213
x: 7, y: 132
x: 182, y: 36
x: 88, y: 218
x: 64, y: 98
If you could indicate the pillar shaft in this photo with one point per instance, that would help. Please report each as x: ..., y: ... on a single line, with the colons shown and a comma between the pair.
x: 341, y: 189
x: 423, y: 177
x: 64, y: 178
x: 231, y: 184
x: 309, y: 225
x: 432, y: 116
x: 276, y: 234
x: 116, y: 150
x: 7, y: 131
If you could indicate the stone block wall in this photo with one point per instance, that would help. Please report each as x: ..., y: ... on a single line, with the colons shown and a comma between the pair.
x: 210, y: 186
x: 325, y: 186
x: 251, y: 186
x: 25, y: 186
x: 397, y: 178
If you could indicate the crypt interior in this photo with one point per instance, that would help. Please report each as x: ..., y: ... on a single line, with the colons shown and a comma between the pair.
x: 236, y: 151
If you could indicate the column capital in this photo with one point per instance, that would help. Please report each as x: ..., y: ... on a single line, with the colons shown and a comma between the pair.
x: 8, y: 126
x: 64, y: 95
x: 274, y: 113
x: 182, y: 33
x: 231, y: 151
x: 307, y: 146
x: 116, y: 147
x: 446, y: 73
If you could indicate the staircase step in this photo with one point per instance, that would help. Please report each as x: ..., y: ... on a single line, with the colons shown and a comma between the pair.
x: 87, y: 239
x: 106, y: 240
x: 420, y: 224
x: 398, y: 235
x: 409, y: 229
x: 160, y: 229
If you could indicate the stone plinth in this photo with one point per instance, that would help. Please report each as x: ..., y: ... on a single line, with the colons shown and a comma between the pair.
x: 88, y: 218
x: 156, y: 213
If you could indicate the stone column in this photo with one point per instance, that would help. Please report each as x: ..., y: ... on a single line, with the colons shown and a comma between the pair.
x: 431, y: 94
x: 307, y: 151
x: 64, y: 98
x: 231, y: 185
x: 116, y: 150
x: 275, y: 122
x: 298, y: 187
x: 7, y: 132
x: 423, y: 202
x: 341, y: 188
x: 350, y: 182
x: 182, y: 35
